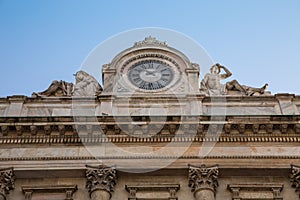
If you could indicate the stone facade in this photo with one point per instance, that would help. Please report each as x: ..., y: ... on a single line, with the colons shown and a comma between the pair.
x: 125, y: 142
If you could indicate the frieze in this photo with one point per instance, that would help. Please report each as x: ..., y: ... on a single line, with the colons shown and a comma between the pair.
x: 273, y: 129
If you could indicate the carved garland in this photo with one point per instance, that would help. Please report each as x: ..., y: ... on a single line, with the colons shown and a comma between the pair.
x: 101, y: 178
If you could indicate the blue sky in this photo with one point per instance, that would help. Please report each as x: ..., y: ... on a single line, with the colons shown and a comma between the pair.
x: 42, y: 41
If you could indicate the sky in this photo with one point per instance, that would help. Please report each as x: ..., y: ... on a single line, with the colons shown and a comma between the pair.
x: 42, y: 41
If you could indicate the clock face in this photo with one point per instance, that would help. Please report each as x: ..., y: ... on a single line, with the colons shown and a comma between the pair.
x: 150, y: 75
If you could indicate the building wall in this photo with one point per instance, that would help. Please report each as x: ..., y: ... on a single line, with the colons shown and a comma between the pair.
x: 227, y: 176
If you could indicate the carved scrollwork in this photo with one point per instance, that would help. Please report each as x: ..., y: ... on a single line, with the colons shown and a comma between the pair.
x: 150, y: 41
x: 101, y: 178
x: 7, y: 181
x: 203, y: 177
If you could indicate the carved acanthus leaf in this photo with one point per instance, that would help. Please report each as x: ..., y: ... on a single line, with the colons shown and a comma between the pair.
x: 101, y: 178
x: 203, y: 177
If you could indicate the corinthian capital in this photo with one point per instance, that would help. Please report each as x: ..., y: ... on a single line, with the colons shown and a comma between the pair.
x: 101, y: 178
x: 295, y: 177
x: 7, y: 181
x: 202, y: 177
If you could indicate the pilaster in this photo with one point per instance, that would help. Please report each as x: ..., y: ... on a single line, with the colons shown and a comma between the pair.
x: 203, y: 181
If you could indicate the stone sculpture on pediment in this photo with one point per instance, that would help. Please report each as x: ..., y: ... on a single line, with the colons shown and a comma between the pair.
x: 86, y: 85
x: 56, y: 89
x: 211, y: 84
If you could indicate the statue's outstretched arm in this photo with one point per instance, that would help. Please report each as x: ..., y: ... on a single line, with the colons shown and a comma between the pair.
x: 227, y: 72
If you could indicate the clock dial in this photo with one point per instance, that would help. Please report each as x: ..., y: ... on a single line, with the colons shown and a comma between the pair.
x: 150, y: 75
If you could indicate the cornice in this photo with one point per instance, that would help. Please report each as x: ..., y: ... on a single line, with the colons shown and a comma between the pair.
x: 156, y: 139
x: 264, y: 128
x: 263, y: 157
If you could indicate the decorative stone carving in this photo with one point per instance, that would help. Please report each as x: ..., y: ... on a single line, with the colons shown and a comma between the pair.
x: 86, y: 85
x: 56, y: 89
x: 295, y: 177
x: 211, y: 84
x: 203, y: 181
x: 256, y: 191
x: 101, y: 178
x: 68, y: 190
x: 150, y: 41
x: 160, y: 188
x: 7, y: 182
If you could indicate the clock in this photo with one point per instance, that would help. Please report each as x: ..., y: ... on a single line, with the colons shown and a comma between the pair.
x: 150, y: 75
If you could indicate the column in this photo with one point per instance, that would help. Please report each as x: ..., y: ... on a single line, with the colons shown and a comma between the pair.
x: 7, y: 182
x: 295, y: 178
x: 101, y: 181
x: 203, y: 181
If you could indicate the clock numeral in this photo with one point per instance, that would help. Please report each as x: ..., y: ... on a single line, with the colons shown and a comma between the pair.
x: 160, y: 85
x: 164, y: 79
x: 137, y: 79
x: 156, y: 86
x: 142, y: 84
x: 150, y: 75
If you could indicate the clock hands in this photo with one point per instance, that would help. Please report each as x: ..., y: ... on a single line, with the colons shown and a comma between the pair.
x: 155, y: 71
x: 151, y: 72
x: 150, y: 76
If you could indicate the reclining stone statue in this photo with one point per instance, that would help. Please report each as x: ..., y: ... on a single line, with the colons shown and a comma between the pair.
x: 211, y: 84
x: 56, y: 89
x: 86, y: 85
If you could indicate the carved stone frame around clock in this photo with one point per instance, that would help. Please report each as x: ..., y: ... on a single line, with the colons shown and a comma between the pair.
x: 186, y: 74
